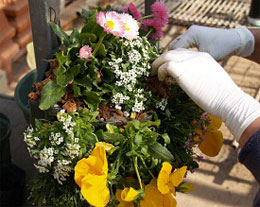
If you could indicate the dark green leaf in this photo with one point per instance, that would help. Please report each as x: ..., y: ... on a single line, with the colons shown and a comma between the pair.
x: 88, y: 14
x: 74, y: 37
x: 61, y: 34
x: 87, y: 37
x: 51, y: 93
x: 76, y: 90
x: 91, y: 99
x: 84, y: 81
x: 160, y: 152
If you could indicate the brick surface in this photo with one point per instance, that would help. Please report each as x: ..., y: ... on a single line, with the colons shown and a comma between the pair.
x: 7, y: 53
x: 20, y: 23
x: 18, y: 8
x: 7, y: 32
x: 24, y: 37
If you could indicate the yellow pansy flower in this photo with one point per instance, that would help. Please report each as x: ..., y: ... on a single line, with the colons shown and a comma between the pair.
x: 154, y: 198
x: 167, y: 181
x: 91, y: 176
x: 122, y: 194
x: 213, y: 138
x: 129, y: 194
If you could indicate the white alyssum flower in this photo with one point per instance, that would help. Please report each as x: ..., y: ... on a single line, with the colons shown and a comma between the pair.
x: 162, y: 104
x: 62, y: 148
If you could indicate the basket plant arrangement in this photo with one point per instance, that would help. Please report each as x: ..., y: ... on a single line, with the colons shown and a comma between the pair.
x: 121, y: 137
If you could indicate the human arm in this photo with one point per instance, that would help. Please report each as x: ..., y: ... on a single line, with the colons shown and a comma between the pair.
x: 221, y: 43
x: 255, y: 56
x: 208, y: 85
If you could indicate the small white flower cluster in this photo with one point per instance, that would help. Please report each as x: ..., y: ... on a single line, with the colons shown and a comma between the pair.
x: 61, y: 171
x: 56, y: 139
x: 62, y: 148
x: 119, y: 99
x: 162, y: 104
x: 67, y: 124
x: 139, y: 101
x: 134, y: 56
x: 128, y: 70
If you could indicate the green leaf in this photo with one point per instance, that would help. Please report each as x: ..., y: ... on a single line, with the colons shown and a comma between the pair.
x: 160, y: 152
x: 64, y: 78
x: 109, y: 137
x: 61, y: 34
x: 88, y: 14
x: 51, y: 93
x: 134, y: 123
x: 91, y: 99
x: 138, y: 139
x: 84, y: 81
x: 101, y: 50
x: 61, y: 59
x: 154, y: 123
x: 108, y: 76
x: 111, y: 129
x: 87, y: 38
x: 76, y: 90
x: 74, y: 37
x: 166, y: 138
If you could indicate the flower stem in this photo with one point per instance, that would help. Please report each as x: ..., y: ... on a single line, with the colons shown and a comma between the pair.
x: 149, y: 32
x: 147, y: 167
x: 99, y: 43
x: 137, y: 173
x: 145, y: 17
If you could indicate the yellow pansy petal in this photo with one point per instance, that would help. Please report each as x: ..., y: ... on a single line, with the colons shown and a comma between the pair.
x: 212, y: 143
x: 122, y: 203
x: 177, y: 176
x: 163, y: 178
x: 169, y: 200
x: 101, y: 159
x: 215, y: 123
x: 129, y: 194
x: 107, y: 146
x: 94, y: 190
x: 81, y: 170
x: 126, y: 204
x: 118, y: 195
x: 153, y: 197
x: 172, y: 188
x: 187, y: 187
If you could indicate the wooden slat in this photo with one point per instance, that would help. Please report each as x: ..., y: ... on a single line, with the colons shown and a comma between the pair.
x: 220, y: 13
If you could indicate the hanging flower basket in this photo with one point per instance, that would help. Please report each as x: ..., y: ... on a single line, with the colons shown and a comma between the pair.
x: 114, y: 134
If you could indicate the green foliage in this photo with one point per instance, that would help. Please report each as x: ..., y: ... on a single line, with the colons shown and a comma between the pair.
x: 177, y: 121
x: 51, y: 93
x: 117, y: 73
x: 46, y: 192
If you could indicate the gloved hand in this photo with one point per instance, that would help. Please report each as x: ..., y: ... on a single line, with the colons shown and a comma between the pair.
x: 219, y: 43
x: 209, y: 86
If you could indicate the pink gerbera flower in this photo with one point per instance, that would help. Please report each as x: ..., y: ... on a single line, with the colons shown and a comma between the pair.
x: 131, y: 26
x: 85, y: 52
x: 132, y: 10
x: 111, y: 22
x: 160, y: 13
x: 156, y: 32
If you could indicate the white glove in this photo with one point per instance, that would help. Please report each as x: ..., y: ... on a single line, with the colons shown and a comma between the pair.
x: 219, y: 43
x: 209, y: 86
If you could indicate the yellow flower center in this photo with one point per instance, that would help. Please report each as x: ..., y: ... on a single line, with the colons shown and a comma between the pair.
x: 126, y: 28
x: 110, y: 24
